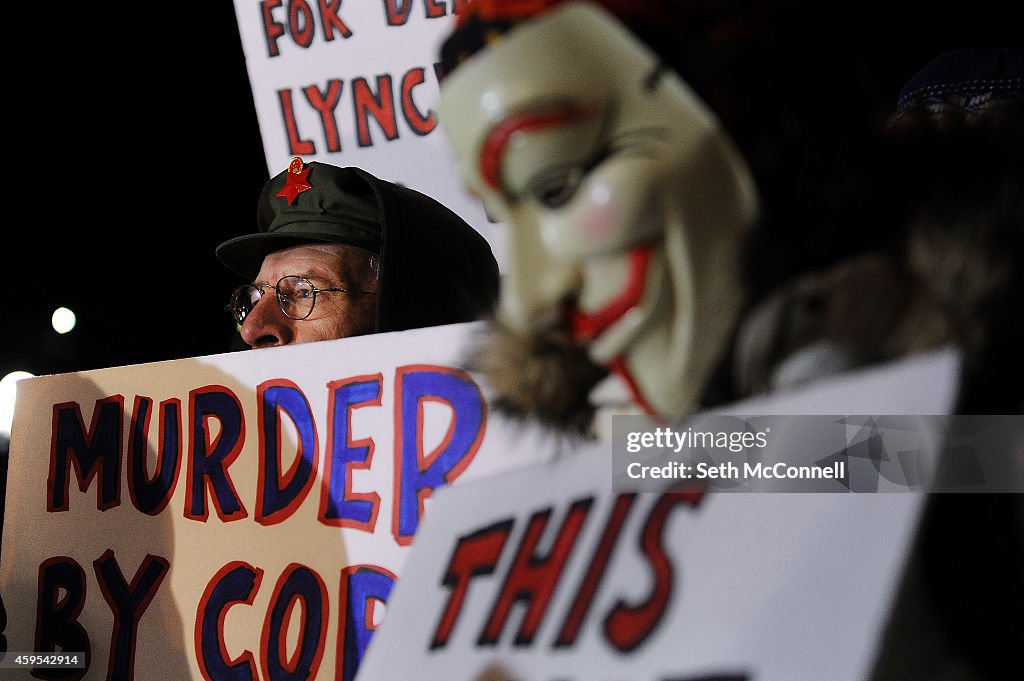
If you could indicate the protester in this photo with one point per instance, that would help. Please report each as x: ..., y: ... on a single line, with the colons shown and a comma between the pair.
x: 916, y: 237
x: 629, y: 205
x: 944, y: 186
x: 957, y: 136
x: 750, y: 96
x: 347, y: 254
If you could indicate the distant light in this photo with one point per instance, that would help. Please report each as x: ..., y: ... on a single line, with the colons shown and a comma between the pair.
x: 7, y: 392
x: 63, y: 320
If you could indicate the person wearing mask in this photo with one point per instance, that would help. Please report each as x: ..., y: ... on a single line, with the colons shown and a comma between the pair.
x: 629, y: 203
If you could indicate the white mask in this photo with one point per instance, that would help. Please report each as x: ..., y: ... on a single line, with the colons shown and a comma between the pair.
x: 626, y: 203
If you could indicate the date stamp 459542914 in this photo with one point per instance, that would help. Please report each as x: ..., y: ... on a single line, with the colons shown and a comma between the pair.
x: 63, y: 660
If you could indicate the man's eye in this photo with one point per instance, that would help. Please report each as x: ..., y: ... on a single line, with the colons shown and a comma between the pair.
x: 299, y: 290
x: 555, y: 188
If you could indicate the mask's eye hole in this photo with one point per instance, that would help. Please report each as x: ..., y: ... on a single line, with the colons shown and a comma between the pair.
x: 555, y: 187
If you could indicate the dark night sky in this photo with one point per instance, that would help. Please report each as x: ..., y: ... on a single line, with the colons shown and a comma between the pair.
x: 134, y: 149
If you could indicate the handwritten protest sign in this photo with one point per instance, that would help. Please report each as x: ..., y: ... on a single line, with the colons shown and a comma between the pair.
x: 242, y: 515
x: 356, y: 84
x: 547, y: 573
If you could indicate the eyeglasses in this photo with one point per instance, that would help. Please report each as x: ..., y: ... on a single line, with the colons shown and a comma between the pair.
x: 296, y: 296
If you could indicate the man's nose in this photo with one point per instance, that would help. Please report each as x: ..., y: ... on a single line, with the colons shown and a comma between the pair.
x: 266, y: 325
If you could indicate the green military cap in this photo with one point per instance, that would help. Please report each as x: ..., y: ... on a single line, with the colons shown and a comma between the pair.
x: 308, y: 202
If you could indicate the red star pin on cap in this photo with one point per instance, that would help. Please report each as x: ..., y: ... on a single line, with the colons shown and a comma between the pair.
x: 296, y: 182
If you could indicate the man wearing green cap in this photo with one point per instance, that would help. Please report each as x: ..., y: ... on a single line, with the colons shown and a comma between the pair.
x: 346, y: 254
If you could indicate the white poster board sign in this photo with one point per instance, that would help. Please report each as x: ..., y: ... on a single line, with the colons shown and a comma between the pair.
x: 242, y: 515
x: 356, y: 84
x: 546, y: 573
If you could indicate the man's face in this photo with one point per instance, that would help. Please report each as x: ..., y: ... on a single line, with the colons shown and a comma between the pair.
x: 623, y: 199
x: 335, y: 314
